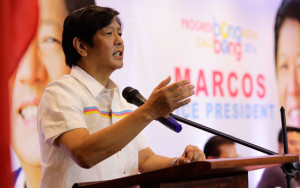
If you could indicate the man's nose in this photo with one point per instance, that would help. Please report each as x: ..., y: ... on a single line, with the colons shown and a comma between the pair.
x: 118, y: 39
x: 31, y: 68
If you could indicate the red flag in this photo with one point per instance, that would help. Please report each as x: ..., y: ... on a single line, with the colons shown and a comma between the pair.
x: 18, y: 25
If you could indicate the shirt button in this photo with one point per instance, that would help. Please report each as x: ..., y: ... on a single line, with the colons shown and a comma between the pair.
x: 124, y: 172
x: 105, y: 91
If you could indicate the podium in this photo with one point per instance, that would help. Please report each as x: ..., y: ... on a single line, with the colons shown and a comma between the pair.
x: 217, y: 173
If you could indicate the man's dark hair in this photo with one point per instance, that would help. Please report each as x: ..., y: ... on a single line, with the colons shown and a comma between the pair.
x: 212, y: 146
x: 288, y: 129
x: 83, y: 24
x: 287, y: 9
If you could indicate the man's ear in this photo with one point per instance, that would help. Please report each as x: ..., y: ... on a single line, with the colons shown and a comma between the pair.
x: 80, y: 46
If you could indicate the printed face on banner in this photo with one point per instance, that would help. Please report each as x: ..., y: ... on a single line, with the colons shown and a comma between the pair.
x: 288, y: 70
x: 42, y: 62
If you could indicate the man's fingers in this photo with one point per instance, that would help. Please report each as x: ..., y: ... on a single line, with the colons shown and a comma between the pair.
x: 185, y: 95
x: 202, y: 156
x: 193, y: 153
x: 164, y: 82
x: 170, y: 97
x: 176, y: 85
x: 182, y: 103
x: 196, y: 153
x: 182, y: 160
x: 189, y: 153
x: 181, y: 96
x: 183, y: 89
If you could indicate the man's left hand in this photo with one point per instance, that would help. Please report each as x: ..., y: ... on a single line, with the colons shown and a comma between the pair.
x: 190, y: 154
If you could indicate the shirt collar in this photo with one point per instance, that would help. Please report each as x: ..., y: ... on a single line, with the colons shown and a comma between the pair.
x: 91, y: 83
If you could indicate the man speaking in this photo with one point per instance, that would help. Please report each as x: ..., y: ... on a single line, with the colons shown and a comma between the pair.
x: 87, y: 130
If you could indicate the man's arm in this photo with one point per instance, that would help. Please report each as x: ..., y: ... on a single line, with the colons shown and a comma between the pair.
x: 149, y: 161
x: 88, y: 150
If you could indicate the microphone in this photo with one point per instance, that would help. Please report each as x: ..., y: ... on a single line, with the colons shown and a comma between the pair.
x: 133, y: 96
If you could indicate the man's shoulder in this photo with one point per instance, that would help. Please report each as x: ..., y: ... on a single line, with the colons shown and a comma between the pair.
x: 66, y: 88
x: 67, y: 82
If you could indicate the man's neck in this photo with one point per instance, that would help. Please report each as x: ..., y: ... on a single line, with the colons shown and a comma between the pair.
x: 101, y: 75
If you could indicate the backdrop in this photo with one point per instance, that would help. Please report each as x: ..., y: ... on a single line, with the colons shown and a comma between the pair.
x: 225, y: 48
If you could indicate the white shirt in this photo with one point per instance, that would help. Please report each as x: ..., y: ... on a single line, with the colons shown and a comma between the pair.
x: 79, y: 101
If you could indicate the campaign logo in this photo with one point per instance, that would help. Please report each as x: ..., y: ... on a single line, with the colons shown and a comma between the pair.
x: 222, y: 37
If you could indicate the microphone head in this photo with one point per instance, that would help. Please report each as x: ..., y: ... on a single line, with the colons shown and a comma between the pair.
x: 129, y: 93
x: 133, y: 96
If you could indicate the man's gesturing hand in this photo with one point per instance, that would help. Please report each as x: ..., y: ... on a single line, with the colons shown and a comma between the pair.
x: 166, y: 98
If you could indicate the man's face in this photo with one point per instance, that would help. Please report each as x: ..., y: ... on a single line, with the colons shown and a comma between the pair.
x: 293, y: 139
x: 288, y: 70
x: 228, y: 151
x: 42, y: 62
x: 106, y: 55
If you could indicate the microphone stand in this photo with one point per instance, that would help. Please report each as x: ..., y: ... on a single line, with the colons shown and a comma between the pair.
x: 213, y: 131
x: 289, y: 168
x: 133, y: 96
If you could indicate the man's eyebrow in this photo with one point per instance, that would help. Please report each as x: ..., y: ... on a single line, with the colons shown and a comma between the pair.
x: 112, y: 27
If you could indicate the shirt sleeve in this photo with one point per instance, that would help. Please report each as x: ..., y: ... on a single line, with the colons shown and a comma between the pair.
x: 59, y: 111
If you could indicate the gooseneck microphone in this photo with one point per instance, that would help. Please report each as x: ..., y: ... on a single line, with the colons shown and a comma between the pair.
x: 133, y: 96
